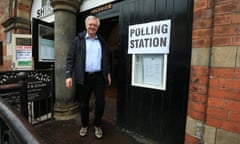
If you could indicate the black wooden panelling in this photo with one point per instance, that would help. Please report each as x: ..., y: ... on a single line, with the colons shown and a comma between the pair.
x: 157, y: 114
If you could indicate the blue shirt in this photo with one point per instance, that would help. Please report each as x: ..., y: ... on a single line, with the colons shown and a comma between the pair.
x: 93, y: 54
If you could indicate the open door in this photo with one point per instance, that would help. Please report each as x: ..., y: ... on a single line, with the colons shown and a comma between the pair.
x: 109, y: 30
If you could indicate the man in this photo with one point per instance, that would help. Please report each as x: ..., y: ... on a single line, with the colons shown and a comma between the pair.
x: 88, y: 60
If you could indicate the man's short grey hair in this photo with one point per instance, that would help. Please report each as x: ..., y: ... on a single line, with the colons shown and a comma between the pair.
x: 92, y: 17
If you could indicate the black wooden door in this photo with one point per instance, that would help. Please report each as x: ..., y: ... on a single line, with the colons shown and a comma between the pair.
x: 156, y: 114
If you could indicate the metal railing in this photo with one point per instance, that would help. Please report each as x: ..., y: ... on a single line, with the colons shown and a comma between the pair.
x: 31, y: 92
x: 14, y: 126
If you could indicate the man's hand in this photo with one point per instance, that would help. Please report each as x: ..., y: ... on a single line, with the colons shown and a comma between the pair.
x: 69, y: 83
x: 109, y: 79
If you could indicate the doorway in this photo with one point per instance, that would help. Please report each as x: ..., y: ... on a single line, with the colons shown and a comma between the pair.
x: 109, y: 29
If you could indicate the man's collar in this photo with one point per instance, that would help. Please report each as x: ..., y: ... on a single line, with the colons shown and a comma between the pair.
x: 87, y: 36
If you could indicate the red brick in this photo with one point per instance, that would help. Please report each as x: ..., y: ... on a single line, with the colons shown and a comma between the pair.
x: 196, y: 115
x: 235, y: 117
x: 236, y: 18
x: 225, y: 30
x: 216, y: 102
x: 202, y: 23
x: 222, y: 1
x: 223, y: 72
x: 222, y: 41
x: 198, y: 98
x: 217, y: 113
x: 23, y: 7
x: 203, y: 42
x: 217, y: 83
x: 201, y: 33
x: 198, y: 107
x: 225, y: 8
x: 235, y: 41
x: 231, y: 126
x: 203, y: 14
x: 219, y: 93
x: 237, y: 73
x: 200, y: 4
x: 211, y: 3
x: 199, y: 79
x: 233, y: 84
x: 200, y: 70
x: 197, y: 88
x: 235, y: 95
x: 223, y: 19
x: 214, y: 122
x: 233, y: 106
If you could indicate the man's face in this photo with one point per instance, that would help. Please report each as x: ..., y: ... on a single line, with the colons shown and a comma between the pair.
x: 92, y: 26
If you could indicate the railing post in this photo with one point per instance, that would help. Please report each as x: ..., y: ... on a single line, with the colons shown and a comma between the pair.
x: 23, y: 96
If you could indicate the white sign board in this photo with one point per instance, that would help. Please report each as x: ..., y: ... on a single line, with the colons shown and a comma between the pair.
x: 151, y: 38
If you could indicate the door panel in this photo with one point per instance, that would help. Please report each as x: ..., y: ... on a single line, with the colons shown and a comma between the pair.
x: 157, y: 114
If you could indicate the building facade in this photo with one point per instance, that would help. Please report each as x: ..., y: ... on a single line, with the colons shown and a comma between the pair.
x: 200, y: 102
x: 213, y: 113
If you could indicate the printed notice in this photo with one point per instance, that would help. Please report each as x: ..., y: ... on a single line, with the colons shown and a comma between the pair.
x: 152, y: 70
x: 152, y: 37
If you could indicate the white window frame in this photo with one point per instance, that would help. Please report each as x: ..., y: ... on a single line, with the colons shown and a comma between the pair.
x: 162, y: 83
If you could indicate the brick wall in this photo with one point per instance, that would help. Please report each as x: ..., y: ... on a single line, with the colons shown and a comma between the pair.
x: 214, y: 92
x: 3, y: 17
x: 20, y: 9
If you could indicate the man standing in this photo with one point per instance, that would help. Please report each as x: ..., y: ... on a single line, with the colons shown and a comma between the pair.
x: 88, y: 59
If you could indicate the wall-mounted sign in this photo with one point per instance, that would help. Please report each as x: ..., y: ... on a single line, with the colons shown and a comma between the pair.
x: 24, y: 55
x: 45, y: 10
x: 152, y: 37
x: 22, y: 51
x: 102, y: 8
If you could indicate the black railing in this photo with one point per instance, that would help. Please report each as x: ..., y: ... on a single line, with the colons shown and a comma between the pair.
x: 16, y: 93
x: 35, y: 98
x: 14, y: 126
x: 26, y: 98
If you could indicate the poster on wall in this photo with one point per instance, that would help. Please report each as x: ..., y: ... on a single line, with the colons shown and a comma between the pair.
x: 152, y: 37
x: 24, y: 55
x: 22, y: 51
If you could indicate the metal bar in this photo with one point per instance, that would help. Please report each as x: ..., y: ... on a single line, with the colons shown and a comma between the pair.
x: 21, y: 129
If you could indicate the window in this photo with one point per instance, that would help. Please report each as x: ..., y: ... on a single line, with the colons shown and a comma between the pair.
x: 46, y: 43
x: 45, y: 2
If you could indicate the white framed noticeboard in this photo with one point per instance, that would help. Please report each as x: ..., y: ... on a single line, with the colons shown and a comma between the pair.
x: 149, y: 70
x: 149, y: 44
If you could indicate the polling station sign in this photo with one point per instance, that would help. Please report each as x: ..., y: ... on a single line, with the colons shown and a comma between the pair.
x: 152, y: 37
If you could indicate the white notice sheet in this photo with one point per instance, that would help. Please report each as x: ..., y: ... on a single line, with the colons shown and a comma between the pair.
x: 152, y: 70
